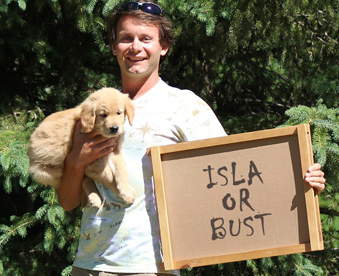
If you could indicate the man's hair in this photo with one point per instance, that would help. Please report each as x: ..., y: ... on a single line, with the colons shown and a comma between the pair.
x: 166, y: 36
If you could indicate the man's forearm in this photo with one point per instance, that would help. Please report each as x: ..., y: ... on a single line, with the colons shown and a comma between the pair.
x: 70, y: 189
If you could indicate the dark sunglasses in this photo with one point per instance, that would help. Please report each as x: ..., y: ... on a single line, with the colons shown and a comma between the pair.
x: 147, y: 7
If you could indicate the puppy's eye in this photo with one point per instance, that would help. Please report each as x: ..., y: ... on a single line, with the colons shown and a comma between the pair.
x: 103, y: 115
x: 119, y: 112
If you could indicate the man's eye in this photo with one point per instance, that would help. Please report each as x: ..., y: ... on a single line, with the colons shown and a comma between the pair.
x: 145, y: 39
x: 103, y: 115
x: 126, y: 39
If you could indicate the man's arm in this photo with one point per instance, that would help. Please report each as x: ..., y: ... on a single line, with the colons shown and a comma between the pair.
x: 86, y: 148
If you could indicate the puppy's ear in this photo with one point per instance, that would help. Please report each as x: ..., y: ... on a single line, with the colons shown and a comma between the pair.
x: 87, y: 116
x: 129, y: 107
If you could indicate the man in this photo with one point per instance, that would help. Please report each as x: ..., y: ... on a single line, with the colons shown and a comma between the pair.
x: 119, y: 239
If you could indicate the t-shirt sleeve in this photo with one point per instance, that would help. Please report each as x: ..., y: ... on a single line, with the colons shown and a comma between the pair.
x: 197, y: 119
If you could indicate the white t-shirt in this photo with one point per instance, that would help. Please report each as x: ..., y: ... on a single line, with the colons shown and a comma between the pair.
x: 126, y: 239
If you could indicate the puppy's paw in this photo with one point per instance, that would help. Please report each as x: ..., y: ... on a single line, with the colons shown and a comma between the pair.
x: 94, y: 200
x: 127, y: 194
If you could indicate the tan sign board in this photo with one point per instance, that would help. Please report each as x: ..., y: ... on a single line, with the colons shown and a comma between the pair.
x: 236, y: 197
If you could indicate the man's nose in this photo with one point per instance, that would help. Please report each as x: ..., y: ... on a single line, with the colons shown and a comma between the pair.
x: 136, y: 45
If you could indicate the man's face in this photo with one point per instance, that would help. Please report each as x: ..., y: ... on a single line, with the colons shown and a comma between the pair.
x: 137, y: 48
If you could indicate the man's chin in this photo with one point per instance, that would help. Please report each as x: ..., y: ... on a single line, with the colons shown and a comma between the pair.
x: 137, y: 71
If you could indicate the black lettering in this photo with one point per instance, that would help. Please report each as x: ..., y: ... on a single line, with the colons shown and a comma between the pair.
x: 252, y: 174
x: 211, y: 184
x: 238, y: 182
x: 244, y: 195
x: 218, y: 232
x: 219, y: 172
x: 231, y: 227
x: 261, y: 216
x: 224, y: 202
x: 245, y: 220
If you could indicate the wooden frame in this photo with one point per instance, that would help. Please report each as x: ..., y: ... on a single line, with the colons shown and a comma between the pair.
x: 182, y: 208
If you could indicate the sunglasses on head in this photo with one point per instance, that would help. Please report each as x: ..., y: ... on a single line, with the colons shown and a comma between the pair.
x: 147, y: 7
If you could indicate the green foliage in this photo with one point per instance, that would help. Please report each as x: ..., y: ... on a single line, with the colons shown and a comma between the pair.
x: 257, y: 63
x: 33, y: 226
x: 52, y: 53
x: 254, y: 60
x: 324, y: 124
x: 295, y: 264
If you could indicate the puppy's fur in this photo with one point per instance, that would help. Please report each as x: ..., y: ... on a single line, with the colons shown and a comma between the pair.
x: 104, y: 111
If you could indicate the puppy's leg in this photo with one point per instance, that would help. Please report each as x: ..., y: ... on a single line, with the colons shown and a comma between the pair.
x: 101, y: 171
x: 111, y: 172
x: 118, y: 166
x: 90, y: 193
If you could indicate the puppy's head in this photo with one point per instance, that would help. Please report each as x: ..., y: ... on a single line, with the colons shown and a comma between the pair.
x: 105, y: 111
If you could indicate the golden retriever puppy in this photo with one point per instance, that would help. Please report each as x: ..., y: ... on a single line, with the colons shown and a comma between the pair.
x: 104, y: 111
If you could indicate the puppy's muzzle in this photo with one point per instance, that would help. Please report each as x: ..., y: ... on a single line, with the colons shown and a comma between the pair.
x: 114, y: 129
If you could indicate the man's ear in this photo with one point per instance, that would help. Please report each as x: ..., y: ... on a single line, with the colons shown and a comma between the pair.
x: 114, y: 51
x: 165, y: 48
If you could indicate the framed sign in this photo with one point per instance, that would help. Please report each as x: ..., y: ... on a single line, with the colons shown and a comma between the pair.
x: 236, y: 197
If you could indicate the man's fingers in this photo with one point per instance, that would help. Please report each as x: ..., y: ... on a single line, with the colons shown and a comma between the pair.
x: 106, y: 146
x: 317, y: 186
x: 317, y: 174
x: 314, y: 167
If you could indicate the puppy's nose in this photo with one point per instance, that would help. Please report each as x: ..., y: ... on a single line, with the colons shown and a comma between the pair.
x: 114, y: 129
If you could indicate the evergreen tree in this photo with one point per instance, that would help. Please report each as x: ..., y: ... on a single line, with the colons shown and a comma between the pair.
x: 37, y: 237
x: 259, y: 64
x: 324, y: 124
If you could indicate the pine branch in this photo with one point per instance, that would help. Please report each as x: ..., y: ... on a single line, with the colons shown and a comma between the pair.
x: 15, y: 230
x: 330, y: 212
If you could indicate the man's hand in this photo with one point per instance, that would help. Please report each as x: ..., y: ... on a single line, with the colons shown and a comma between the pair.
x: 88, y: 147
x: 315, y: 177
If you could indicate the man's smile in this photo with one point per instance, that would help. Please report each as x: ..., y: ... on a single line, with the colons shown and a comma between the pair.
x: 135, y: 58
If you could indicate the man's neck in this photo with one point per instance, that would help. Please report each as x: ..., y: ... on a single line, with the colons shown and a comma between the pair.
x: 138, y: 87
